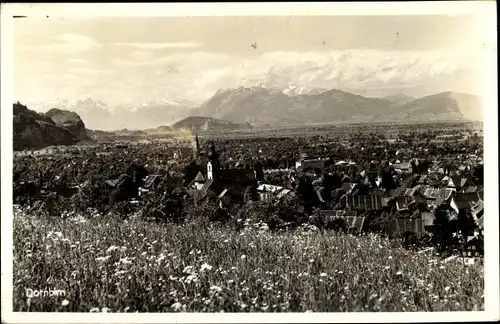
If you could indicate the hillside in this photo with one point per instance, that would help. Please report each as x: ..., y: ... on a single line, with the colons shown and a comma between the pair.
x: 158, y: 130
x: 207, y: 124
x: 69, y: 120
x: 34, y: 130
x: 252, y: 105
x: 445, y: 105
x: 260, y: 106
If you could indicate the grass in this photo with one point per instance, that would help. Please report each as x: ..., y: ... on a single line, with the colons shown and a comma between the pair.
x: 106, y: 264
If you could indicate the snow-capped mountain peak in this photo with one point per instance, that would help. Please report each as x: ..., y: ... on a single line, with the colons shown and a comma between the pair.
x: 297, y: 90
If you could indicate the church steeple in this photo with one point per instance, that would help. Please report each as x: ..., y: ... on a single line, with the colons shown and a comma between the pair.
x: 213, y: 166
x: 197, y: 153
x: 214, y: 155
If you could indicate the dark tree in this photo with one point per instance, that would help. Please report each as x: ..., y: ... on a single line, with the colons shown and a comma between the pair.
x: 190, y: 171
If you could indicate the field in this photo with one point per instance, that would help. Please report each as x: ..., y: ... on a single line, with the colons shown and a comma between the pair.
x: 107, y: 264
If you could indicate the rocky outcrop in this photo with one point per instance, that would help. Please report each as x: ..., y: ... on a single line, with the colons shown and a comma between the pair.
x: 34, y: 130
x: 69, y: 120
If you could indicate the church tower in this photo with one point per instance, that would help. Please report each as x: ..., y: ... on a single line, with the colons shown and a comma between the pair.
x: 213, y: 166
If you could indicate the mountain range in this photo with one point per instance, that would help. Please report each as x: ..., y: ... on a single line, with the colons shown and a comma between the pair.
x: 259, y: 106
x: 98, y: 115
x: 272, y: 106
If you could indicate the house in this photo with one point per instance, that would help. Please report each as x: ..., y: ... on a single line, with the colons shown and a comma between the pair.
x: 348, y: 187
x: 478, y: 210
x: 149, y: 183
x: 350, y: 218
x: 413, y: 191
x: 109, y: 187
x: 120, y: 189
x: 423, y: 179
x: 480, y: 223
x: 364, y: 202
x: 177, y: 154
x: 400, y: 191
x: 402, y: 202
x: 418, y: 223
x: 306, y: 164
x: 474, y: 247
x: 454, y: 181
x: 434, y: 193
x: 198, y: 181
x: 462, y: 200
x: 410, y: 181
x: 403, y: 167
x: 224, y: 200
x: 268, y: 192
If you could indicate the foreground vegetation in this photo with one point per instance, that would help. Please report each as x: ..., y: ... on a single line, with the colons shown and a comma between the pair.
x: 107, y: 264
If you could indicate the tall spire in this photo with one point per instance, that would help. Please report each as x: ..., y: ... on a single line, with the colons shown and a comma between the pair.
x: 214, y: 156
x: 213, y: 166
x: 197, y: 153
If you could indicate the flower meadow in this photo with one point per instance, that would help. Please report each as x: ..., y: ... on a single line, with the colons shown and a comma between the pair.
x: 105, y: 264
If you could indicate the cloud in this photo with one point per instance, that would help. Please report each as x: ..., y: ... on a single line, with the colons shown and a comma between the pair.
x: 70, y: 43
x: 90, y: 71
x: 192, y: 60
x: 362, y: 71
x: 162, y: 45
x: 198, y: 75
x: 78, y: 61
x: 141, y: 55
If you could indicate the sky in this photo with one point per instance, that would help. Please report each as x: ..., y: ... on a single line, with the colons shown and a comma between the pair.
x: 131, y: 60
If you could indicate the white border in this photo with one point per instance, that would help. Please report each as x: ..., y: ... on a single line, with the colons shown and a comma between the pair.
x: 485, y: 9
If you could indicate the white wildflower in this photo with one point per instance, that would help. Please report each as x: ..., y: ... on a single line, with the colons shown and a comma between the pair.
x: 191, y: 278
x: 188, y: 269
x: 215, y: 289
x: 205, y: 266
x: 102, y: 259
x: 111, y: 249
x: 176, y: 306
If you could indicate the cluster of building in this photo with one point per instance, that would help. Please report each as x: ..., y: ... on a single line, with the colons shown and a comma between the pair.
x: 414, y: 193
x: 422, y: 191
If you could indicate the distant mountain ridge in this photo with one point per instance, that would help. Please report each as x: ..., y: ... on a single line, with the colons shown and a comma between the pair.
x: 275, y: 106
x: 259, y: 106
x: 98, y: 115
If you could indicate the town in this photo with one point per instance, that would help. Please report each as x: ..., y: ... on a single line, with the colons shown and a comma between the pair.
x: 420, y: 183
